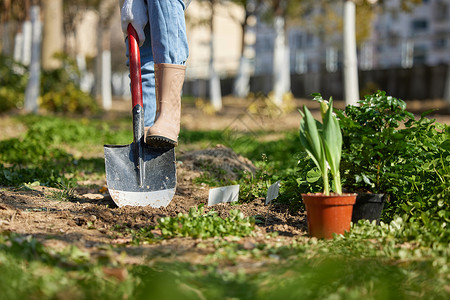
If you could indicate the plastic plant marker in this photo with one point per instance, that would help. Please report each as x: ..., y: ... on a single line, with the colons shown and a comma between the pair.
x: 272, y: 192
x: 223, y: 194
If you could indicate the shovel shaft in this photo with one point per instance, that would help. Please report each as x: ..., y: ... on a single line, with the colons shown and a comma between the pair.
x: 135, y: 67
x: 138, y: 107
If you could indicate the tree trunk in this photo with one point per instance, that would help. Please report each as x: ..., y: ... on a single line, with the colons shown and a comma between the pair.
x: 106, y: 79
x: 5, y: 48
x: 18, y: 46
x: 27, y: 31
x: 103, y: 67
x: 351, y: 88
x: 281, y: 70
x: 97, y: 91
x: 215, y: 92
x: 241, y: 85
x: 84, y: 81
x: 33, y: 87
x: 53, y: 34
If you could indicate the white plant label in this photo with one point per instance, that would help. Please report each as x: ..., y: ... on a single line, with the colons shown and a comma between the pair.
x: 272, y: 192
x: 223, y: 194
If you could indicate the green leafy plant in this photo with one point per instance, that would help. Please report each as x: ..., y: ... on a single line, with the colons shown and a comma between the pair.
x: 60, y: 89
x: 418, y: 180
x: 65, y: 192
x: 61, y: 92
x: 323, y: 142
x: 199, y: 224
x: 386, y: 150
x: 372, y: 140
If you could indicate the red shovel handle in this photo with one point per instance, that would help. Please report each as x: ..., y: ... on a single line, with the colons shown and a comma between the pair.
x: 135, y: 66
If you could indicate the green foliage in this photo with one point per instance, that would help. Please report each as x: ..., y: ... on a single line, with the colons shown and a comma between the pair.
x: 68, y: 100
x: 323, y: 143
x: 12, y: 83
x: 59, y: 88
x: 254, y: 186
x: 41, y: 154
x: 198, y: 224
x: 419, y: 178
x: 31, y: 271
x: 65, y: 192
x: 61, y: 93
x: 32, y: 159
x: 308, y: 176
x: 387, y: 151
x: 432, y: 242
x: 372, y: 140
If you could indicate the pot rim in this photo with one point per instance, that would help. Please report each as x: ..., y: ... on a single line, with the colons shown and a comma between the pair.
x: 332, y: 199
x: 330, y: 195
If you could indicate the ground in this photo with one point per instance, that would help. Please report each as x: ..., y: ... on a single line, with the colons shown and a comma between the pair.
x: 90, y: 218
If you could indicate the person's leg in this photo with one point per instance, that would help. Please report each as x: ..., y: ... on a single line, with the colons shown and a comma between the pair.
x: 148, y: 79
x: 170, y: 52
x: 168, y: 31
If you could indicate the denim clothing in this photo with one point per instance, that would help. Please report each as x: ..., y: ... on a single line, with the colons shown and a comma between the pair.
x: 165, y: 42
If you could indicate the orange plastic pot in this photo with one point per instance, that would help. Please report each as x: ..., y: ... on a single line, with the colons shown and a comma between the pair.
x: 328, y: 214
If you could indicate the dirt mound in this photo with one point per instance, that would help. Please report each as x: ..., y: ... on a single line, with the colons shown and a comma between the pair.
x: 221, y: 162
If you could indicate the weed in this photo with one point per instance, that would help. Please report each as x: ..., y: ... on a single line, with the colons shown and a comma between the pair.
x: 198, y: 224
x: 65, y: 192
x: 255, y: 186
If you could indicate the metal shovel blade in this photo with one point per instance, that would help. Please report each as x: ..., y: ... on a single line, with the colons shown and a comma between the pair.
x: 156, y: 188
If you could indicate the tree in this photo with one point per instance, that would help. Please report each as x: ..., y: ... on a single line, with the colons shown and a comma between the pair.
x: 105, y: 10
x: 103, y: 59
x: 281, y: 14
x: 33, y: 87
x: 215, y: 92
x: 242, y: 81
x: 53, y: 38
x: 208, y: 20
x: 281, y: 70
x: 12, y: 16
x: 351, y: 87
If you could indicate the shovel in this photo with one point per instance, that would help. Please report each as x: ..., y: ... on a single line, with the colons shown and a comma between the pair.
x: 136, y: 174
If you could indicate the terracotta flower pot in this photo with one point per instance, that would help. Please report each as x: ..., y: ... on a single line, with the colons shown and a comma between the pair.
x: 328, y: 214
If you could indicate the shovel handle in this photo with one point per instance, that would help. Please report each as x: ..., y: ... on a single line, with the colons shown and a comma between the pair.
x: 135, y: 66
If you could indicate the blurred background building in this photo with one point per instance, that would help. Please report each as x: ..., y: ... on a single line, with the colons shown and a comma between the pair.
x: 406, y: 52
x: 403, y: 49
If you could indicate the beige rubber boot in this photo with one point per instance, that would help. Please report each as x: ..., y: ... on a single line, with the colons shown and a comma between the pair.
x: 169, y: 80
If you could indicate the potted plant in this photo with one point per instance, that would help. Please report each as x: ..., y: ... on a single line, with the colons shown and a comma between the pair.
x: 328, y: 213
x: 372, y: 143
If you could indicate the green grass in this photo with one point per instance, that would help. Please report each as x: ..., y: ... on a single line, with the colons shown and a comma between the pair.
x: 57, y: 150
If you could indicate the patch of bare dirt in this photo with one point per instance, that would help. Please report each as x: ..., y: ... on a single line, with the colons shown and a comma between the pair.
x: 221, y: 162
